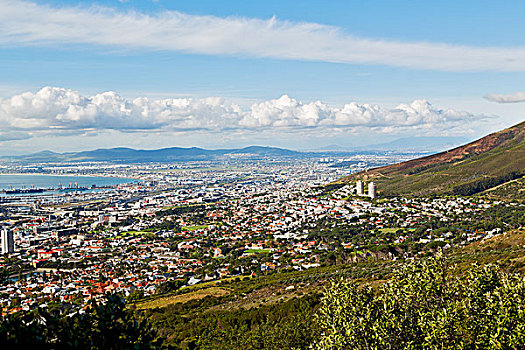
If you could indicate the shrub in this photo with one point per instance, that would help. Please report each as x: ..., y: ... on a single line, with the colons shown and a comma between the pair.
x: 425, y: 306
x: 107, y: 325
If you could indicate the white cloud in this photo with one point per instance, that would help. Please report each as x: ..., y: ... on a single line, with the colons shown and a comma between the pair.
x: 60, y: 111
x: 28, y: 23
x: 510, y: 98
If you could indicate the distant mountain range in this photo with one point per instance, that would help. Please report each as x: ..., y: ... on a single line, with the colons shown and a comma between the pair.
x: 419, y: 143
x: 406, y: 144
x: 483, y: 165
x: 172, y: 154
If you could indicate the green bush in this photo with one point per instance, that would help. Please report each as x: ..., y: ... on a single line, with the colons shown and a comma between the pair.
x: 426, y: 306
x: 107, y: 325
x: 483, y: 184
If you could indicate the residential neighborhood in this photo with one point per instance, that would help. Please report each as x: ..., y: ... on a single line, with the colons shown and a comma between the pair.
x: 179, y: 226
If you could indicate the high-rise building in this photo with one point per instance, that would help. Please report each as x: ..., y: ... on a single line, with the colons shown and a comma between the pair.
x: 372, y: 190
x: 359, y: 188
x: 8, y: 242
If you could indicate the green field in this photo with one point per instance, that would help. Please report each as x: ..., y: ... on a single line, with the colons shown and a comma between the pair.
x: 193, y: 228
x: 394, y: 229
x: 257, y: 251
x: 136, y: 233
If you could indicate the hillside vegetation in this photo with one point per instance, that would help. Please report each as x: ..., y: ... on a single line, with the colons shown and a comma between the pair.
x: 295, y: 309
x: 426, y: 305
x: 487, y: 163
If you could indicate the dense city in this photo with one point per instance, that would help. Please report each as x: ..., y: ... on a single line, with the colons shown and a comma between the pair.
x: 178, y: 225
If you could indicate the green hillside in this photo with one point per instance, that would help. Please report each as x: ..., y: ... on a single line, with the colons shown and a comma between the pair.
x: 479, y: 166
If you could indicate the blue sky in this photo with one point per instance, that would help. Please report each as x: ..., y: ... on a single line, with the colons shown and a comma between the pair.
x: 360, y: 59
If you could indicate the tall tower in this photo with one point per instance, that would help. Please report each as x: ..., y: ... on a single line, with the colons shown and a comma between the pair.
x: 372, y: 190
x: 359, y: 188
x: 8, y: 242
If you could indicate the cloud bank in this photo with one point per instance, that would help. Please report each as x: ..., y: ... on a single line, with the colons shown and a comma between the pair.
x: 510, y: 98
x: 29, y: 23
x: 60, y: 111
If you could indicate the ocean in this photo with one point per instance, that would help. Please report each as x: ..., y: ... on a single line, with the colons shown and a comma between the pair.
x: 16, y: 181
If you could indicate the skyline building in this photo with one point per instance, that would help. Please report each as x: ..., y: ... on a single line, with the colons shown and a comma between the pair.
x: 372, y: 190
x: 8, y: 242
x: 359, y: 188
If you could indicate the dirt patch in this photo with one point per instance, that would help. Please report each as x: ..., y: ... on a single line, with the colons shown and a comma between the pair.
x: 183, y: 298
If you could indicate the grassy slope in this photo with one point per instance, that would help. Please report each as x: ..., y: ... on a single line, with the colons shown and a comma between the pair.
x: 183, y: 298
x: 495, y: 155
x: 507, y: 251
x: 511, y: 190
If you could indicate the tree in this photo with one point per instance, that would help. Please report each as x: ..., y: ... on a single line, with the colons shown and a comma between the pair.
x: 426, y: 306
x: 107, y: 325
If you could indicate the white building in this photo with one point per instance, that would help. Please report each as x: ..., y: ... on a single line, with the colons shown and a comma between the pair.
x: 372, y: 190
x: 359, y: 188
x: 8, y: 242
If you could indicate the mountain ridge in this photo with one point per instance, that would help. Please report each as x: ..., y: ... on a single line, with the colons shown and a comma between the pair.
x: 472, y: 168
x: 126, y: 154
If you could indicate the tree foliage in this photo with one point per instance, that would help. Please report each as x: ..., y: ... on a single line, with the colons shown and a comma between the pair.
x: 483, y: 184
x: 197, y: 325
x: 107, y: 325
x: 426, y: 306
